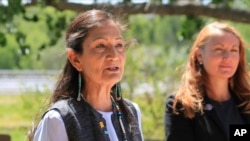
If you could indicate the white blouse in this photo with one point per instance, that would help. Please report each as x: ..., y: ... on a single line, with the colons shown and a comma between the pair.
x: 52, y: 128
x: 110, y: 127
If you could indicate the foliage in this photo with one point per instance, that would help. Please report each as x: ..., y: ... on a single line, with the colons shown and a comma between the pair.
x: 144, y: 29
x: 30, y: 36
x: 25, y: 35
x: 190, y: 25
x: 18, y: 111
x: 149, y: 78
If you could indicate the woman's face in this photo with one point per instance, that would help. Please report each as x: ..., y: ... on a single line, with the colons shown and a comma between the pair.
x: 220, y: 55
x: 103, y: 56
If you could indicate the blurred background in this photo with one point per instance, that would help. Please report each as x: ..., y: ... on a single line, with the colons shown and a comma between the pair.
x: 32, y: 52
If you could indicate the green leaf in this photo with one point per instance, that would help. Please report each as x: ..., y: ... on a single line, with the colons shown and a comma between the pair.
x: 3, y: 40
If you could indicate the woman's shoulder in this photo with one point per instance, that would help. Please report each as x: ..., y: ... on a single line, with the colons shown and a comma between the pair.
x: 172, y: 103
x: 131, y: 103
x: 63, y: 104
x: 170, y: 100
x: 52, y: 115
x: 63, y: 107
x: 60, y: 102
x: 133, y: 106
x: 51, y: 127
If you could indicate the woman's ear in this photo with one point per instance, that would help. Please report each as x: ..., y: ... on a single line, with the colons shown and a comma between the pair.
x: 198, y: 55
x: 74, y: 59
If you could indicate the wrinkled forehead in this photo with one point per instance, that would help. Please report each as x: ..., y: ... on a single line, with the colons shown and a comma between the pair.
x: 104, y: 27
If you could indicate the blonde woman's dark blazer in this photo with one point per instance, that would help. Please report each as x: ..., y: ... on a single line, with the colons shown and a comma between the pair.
x: 206, y: 127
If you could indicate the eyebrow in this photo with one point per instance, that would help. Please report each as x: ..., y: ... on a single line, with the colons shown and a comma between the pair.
x: 103, y: 38
x: 234, y: 46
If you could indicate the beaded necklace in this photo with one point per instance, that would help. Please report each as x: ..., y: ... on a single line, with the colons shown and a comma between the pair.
x: 120, y: 116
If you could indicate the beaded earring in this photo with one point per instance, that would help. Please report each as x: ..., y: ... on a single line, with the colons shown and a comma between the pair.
x: 79, y: 87
x: 117, y: 91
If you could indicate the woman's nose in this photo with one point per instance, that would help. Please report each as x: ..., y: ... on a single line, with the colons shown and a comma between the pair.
x: 226, y: 54
x: 113, y: 53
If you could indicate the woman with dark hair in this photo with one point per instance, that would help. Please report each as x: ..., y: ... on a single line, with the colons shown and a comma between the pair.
x: 87, y: 103
x: 215, y: 90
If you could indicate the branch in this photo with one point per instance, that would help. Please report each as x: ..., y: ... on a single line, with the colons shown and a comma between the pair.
x: 221, y: 13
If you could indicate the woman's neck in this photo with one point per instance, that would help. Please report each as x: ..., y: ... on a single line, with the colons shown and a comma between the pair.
x: 219, y: 91
x: 99, y: 99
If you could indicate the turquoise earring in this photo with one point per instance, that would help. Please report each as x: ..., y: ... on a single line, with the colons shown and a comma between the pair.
x: 79, y: 87
x: 118, y: 94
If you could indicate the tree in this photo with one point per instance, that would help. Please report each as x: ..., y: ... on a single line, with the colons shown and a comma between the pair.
x: 26, y: 31
x: 233, y: 10
x: 219, y: 9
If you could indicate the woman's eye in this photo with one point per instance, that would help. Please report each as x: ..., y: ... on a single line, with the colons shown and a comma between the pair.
x: 120, y: 47
x: 218, y: 50
x: 235, y: 50
x: 101, y: 46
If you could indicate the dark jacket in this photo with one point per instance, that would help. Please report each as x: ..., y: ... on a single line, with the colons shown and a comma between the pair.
x: 82, y: 122
x: 203, y: 127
